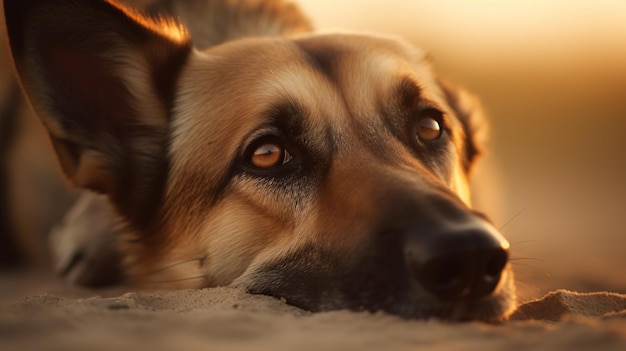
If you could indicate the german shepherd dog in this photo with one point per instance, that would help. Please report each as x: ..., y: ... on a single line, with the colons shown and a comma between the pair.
x: 330, y: 170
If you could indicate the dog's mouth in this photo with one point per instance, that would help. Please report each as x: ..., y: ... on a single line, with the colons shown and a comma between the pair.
x: 381, y: 280
x: 412, y: 303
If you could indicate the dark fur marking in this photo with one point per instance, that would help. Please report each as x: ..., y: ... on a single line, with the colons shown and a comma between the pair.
x: 397, y: 112
x: 290, y: 118
x: 323, y: 58
x: 467, y: 117
x: 319, y: 279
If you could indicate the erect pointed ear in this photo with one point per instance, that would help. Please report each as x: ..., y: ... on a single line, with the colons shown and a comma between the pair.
x: 102, y: 80
x: 469, y: 111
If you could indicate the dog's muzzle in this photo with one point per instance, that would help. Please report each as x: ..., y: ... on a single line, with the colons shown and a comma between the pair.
x: 417, y: 254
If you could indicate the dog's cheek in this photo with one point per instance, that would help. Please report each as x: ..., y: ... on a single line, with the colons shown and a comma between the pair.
x: 236, y: 233
x: 214, y: 252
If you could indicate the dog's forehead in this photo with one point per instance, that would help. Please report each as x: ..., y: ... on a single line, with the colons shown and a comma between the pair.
x: 367, y: 67
x: 227, y: 91
x: 333, y: 76
x: 372, y: 73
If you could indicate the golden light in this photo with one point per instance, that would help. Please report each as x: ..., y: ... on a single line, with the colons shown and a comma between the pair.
x: 545, y: 70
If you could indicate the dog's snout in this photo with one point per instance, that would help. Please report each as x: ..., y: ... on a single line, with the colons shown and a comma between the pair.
x: 458, y: 264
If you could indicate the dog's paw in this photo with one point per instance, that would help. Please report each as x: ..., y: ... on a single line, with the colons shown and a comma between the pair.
x: 84, y: 245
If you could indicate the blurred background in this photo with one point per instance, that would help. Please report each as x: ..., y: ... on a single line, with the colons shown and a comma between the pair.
x: 552, y: 78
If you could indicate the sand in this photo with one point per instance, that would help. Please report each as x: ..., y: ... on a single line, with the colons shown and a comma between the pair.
x: 40, y: 313
x: 529, y: 94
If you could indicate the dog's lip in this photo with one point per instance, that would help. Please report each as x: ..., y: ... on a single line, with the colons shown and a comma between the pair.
x: 487, y: 309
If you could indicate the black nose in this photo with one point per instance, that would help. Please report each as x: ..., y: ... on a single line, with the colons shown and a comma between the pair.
x: 464, y: 263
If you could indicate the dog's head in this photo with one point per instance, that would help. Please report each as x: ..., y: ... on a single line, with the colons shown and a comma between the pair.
x: 331, y: 170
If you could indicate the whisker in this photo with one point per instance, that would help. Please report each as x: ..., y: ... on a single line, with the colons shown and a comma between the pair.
x: 526, y: 291
x: 164, y: 268
x: 527, y: 259
x: 535, y: 270
x: 530, y: 278
x: 515, y: 216
x: 527, y: 242
x: 527, y: 284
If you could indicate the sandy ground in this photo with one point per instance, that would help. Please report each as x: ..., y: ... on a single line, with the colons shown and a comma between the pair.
x: 40, y: 313
x: 546, y: 77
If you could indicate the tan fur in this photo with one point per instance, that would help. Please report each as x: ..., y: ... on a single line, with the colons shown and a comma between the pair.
x: 208, y: 116
x: 195, y: 214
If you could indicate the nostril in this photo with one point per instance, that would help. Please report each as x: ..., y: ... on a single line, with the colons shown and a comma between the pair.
x: 448, y: 274
x: 446, y: 277
x: 487, y: 280
x: 456, y: 275
x: 495, y: 265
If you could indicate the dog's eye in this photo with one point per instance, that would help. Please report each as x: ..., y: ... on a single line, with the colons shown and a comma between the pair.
x: 428, y: 128
x: 268, y: 155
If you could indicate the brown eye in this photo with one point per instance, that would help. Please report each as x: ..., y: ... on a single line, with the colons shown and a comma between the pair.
x: 269, y: 155
x: 428, y: 129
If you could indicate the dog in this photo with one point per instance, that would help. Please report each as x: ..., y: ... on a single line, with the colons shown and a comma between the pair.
x: 330, y: 170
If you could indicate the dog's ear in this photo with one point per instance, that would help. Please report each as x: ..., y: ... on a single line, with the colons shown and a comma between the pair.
x: 469, y: 111
x: 102, y: 80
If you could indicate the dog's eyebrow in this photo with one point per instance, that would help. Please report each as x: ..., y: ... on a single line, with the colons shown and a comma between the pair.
x: 322, y: 59
x: 314, y: 140
x: 408, y: 93
x: 404, y: 97
x: 287, y: 116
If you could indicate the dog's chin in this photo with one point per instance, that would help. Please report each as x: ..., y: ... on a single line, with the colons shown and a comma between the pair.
x: 401, y: 298
x: 493, y: 309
